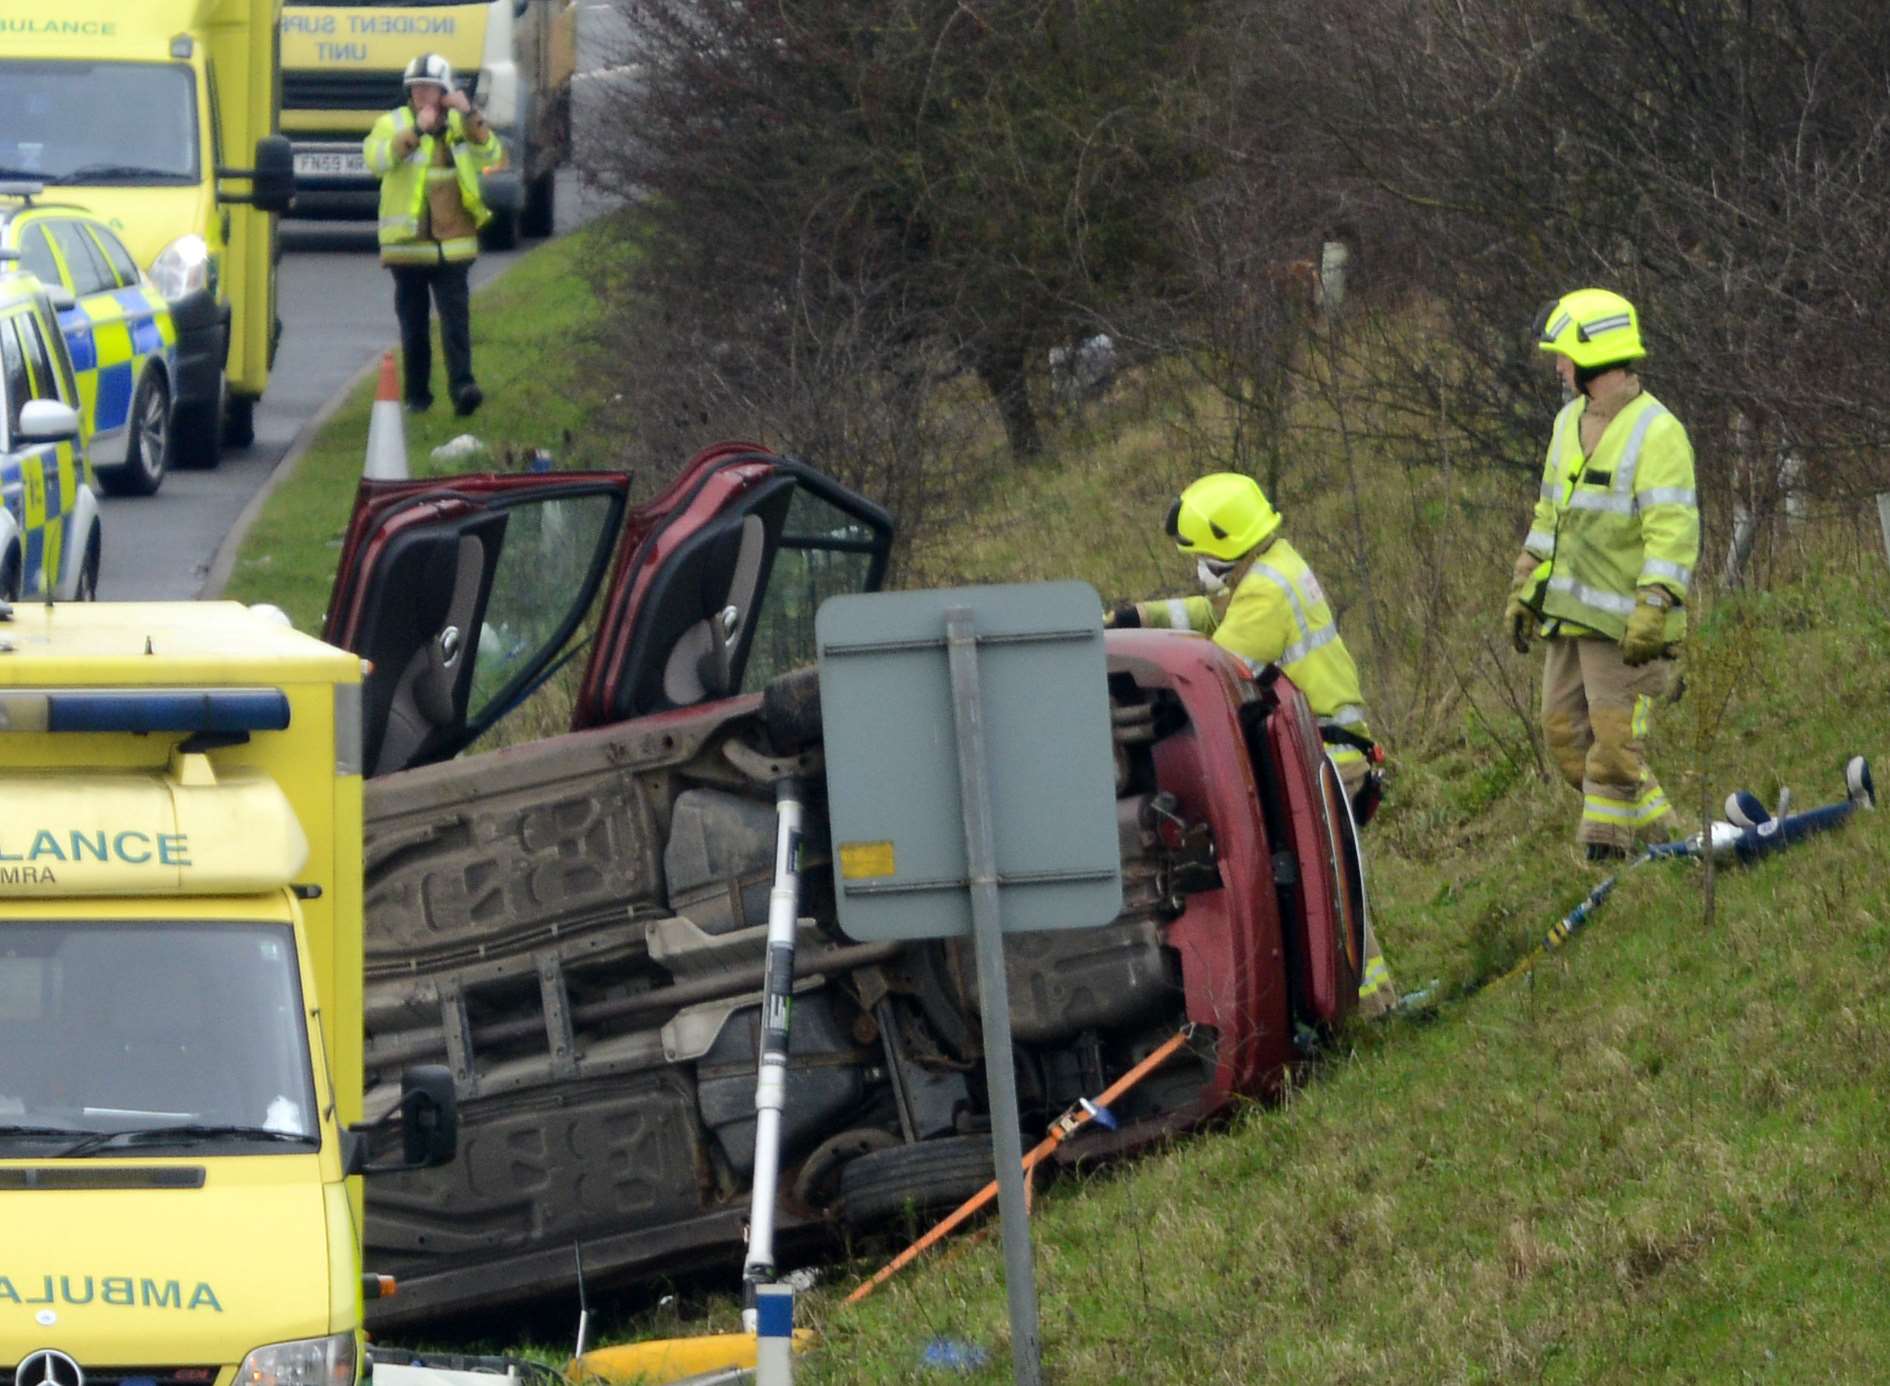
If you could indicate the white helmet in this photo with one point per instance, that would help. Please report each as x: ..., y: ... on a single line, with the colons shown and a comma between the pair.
x: 428, y: 67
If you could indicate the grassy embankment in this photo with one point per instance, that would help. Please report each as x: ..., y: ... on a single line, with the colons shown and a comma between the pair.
x: 1660, y: 1156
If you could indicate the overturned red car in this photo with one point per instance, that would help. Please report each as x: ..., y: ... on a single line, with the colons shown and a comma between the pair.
x: 576, y: 924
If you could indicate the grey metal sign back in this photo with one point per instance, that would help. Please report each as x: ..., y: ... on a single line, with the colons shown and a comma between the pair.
x: 971, y: 790
x: 890, y: 711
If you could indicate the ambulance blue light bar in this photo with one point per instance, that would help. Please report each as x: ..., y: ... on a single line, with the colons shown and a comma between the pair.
x: 227, y: 710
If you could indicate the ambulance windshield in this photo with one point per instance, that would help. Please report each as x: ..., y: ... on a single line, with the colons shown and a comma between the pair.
x: 148, y: 1027
x: 124, y: 124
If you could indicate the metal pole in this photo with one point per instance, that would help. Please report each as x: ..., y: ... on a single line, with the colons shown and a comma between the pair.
x: 994, y: 1001
x: 777, y: 993
x: 1883, y: 519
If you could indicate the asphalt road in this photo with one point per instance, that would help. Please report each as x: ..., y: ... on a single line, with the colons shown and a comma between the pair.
x: 337, y: 310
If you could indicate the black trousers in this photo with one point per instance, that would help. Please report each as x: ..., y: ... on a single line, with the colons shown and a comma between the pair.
x: 447, y: 284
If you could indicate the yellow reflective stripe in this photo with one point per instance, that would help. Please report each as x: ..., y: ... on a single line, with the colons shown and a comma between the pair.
x: 1604, y: 808
x: 1177, y: 614
x: 1377, y: 976
x: 1643, y: 712
x: 412, y: 252
x: 436, y: 174
x: 459, y: 248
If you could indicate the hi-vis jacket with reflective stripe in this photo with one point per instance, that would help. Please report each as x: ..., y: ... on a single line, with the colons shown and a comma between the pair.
x: 1624, y: 518
x: 404, y: 186
x: 1278, y: 614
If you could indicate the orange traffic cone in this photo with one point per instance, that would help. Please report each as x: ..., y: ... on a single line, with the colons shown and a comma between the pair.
x: 387, y: 434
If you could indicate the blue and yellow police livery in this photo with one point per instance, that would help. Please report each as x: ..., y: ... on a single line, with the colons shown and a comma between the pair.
x: 50, y: 533
x: 118, y: 331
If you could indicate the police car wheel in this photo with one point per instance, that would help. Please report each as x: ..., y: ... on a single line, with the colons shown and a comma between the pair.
x: 88, y: 571
x: 149, y: 452
x: 10, y: 578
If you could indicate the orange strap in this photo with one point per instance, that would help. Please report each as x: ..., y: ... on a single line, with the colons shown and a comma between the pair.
x: 1061, y: 1130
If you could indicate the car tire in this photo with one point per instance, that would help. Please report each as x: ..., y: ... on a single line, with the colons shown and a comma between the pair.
x: 501, y: 233
x: 10, y: 577
x: 239, y: 421
x: 930, y: 1177
x: 148, y: 454
x: 87, y: 590
x: 540, y: 213
x: 197, y: 435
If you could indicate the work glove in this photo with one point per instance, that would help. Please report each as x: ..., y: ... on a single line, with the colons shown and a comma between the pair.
x: 1646, y: 637
x: 1124, y: 617
x: 1520, y: 620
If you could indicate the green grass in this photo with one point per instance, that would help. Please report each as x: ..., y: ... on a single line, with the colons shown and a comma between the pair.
x: 1661, y: 1155
x: 527, y: 328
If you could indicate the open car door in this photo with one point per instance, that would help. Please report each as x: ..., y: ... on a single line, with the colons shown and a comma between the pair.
x: 461, y: 592
x: 718, y: 595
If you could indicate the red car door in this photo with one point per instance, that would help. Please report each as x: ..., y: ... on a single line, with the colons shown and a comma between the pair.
x: 461, y: 593
x: 718, y: 593
x: 465, y: 593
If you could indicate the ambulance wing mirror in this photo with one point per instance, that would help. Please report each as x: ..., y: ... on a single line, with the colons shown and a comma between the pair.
x: 272, y: 180
x: 429, y: 1124
x: 48, y: 421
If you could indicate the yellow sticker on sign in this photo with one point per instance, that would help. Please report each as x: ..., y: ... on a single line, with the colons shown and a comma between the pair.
x: 860, y: 861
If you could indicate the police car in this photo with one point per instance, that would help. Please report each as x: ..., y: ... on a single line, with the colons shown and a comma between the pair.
x: 50, y: 535
x: 118, y: 331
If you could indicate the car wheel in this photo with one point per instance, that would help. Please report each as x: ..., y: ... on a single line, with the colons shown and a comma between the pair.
x: 930, y: 1177
x: 501, y: 233
x: 541, y: 195
x: 148, y: 454
x: 239, y: 421
x: 87, y: 590
x: 197, y: 434
x: 10, y: 578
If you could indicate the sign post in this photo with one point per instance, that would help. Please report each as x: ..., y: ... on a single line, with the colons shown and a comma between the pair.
x: 1005, y: 825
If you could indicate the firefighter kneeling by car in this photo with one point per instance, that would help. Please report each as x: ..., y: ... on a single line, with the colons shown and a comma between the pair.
x: 1263, y: 604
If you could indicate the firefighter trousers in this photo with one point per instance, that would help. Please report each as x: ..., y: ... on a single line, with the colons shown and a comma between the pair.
x: 1595, y: 715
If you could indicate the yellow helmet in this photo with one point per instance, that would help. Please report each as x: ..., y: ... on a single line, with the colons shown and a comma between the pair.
x: 1592, y: 327
x: 1224, y: 516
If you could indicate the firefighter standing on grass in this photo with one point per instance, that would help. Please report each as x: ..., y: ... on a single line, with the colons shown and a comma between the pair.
x: 1263, y: 604
x: 1604, y: 570
x: 430, y: 156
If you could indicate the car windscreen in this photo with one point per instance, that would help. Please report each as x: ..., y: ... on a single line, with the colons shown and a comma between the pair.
x: 130, y: 1029
x: 98, y: 123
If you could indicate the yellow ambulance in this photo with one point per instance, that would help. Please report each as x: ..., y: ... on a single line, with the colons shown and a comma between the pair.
x: 160, y: 117
x: 180, y: 1001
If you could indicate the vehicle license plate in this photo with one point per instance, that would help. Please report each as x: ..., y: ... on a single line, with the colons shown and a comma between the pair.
x: 336, y: 161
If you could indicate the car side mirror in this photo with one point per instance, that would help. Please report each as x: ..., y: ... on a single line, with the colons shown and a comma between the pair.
x: 48, y: 421
x: 272, y: 180
x: 429, y: 1124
